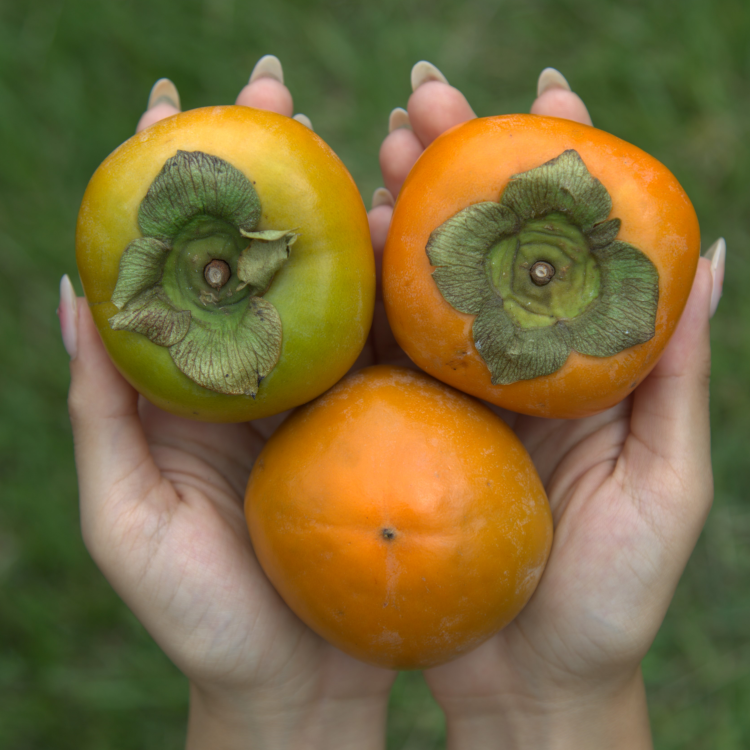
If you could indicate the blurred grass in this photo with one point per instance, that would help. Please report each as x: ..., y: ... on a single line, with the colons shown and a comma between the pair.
x: 76, y: 669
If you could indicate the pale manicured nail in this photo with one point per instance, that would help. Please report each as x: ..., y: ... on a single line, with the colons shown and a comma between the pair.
x: 164, y: 92
x: 269, y: 66
x: 551, y: 79
x: 717, y: 254
x: 68, y: 314
x: 424, y: 71
x: 382, y: 197
x: 304, y: 119
x: 399, y: 118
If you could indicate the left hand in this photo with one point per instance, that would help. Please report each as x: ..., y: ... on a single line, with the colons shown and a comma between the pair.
x: 162, y: 515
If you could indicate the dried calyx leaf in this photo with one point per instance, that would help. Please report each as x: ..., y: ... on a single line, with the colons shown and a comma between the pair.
x: 261, y: 260
x: 141, y: 268
x: 193, y: 183
x: 544, y: 274
x: 194, y: 285
x: 233, y: 359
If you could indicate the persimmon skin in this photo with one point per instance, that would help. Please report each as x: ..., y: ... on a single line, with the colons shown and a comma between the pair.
x: 472, y: 163
x: 401, y: 520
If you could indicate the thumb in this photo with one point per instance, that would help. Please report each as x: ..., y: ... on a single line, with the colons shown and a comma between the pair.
x: 670, y: 432
x: 112, y: 455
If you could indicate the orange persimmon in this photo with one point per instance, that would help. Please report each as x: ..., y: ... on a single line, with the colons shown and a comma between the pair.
x: 539, y: 264
x: 400, y: 519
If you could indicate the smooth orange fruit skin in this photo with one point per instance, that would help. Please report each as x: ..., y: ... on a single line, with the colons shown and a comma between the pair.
x: 401, y: 520
x: 472, y: 163
x: 325, y: 294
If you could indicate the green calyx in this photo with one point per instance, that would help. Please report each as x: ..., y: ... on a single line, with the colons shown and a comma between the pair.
x: 544, y: 274
x: 194, y: 282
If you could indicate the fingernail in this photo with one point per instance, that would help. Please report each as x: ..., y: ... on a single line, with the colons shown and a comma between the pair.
x: 424, y: 71
x: 399, y: 118
x: 164, y: 92
x: 269, y: 66
x: 717, y: 254
x: 382, y: 197
x: 304, y: 119
x: 68, y: 314
x: 551, y: 79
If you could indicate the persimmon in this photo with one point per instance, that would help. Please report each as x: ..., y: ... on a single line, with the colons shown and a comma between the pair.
x: 538, y: 263
x: 225, y: 254
x: 400, y: 519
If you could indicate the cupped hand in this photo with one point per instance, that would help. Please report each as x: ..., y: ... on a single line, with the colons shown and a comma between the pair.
x: 162, y: 515
x: 629, y: 491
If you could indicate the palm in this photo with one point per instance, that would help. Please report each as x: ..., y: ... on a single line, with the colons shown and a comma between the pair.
x: 192, y: 577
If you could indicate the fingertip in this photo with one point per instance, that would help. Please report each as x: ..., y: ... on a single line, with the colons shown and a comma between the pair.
x: 382, y: 197
x: 269, y: 66
x: 556, y: 101
x: 159, y: 112
x: 399, y: 118
x: 399, y: 151
x: 67, y: 312
x: 380, y: 220
x: 716, y: 255
x: 267, y: 93
x: 698, y: 306
x: 435, y: 107
x: 424, y: 71
x: 164, y: 92
x: 163, y: 101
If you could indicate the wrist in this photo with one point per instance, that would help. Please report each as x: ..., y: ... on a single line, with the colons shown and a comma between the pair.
x: 262, y: 721
x: 612, y: 718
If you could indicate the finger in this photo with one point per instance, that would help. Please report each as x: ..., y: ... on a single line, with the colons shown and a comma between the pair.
x: 555, y: 99
x: 400, y: 149
x: 382, y: 344
x: 670, y: 418
x: 163, y: 101
x: 266, y: 89
x: 435, y: 106
x: 111, y: 448
x: 380, y: 220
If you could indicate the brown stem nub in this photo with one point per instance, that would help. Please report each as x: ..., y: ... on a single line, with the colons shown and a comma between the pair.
x: 217, y: 273
x: 542, y: 272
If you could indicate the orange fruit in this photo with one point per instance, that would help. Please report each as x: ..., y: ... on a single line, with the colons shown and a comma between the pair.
x: 401, y: 520
x: 639, y: 211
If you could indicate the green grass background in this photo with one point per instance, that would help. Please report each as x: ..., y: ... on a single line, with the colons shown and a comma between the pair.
x: 76, y: 669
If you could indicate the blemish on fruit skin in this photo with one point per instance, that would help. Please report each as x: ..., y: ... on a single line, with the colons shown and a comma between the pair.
x: 459, y: 360
x: 388, y: 534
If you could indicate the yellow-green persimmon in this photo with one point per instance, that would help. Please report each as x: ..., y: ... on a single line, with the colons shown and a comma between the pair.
x: 225, y: 255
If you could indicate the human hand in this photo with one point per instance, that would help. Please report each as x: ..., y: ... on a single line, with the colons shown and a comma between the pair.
x: 629, y: 490
x: 162, y: 516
